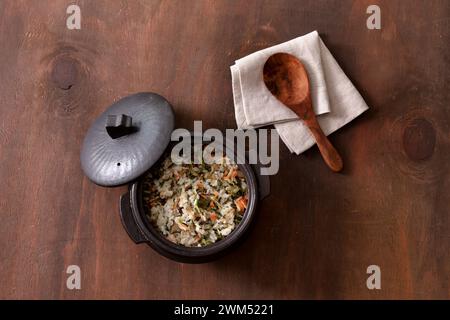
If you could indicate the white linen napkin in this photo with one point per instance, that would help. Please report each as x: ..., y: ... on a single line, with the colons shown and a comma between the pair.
x: 335, y: 100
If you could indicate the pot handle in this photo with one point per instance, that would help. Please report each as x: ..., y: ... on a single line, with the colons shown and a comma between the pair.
x: 263, y: 182
x: 126, y: 216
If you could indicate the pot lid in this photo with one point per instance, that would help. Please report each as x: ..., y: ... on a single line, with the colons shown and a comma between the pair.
x: 127, y: 139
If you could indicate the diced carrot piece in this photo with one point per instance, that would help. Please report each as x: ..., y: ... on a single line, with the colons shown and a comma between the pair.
x: 241, y: 203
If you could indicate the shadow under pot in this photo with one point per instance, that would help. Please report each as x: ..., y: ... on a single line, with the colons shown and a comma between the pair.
x: 125, y: 143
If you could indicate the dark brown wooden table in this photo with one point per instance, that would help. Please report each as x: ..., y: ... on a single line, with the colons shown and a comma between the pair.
x: 317, y: 232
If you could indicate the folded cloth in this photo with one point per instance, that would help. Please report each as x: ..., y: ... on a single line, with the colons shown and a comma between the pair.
x: 335, y: 100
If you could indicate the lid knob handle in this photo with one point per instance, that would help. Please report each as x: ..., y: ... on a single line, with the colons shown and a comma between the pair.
x: 119, y: 125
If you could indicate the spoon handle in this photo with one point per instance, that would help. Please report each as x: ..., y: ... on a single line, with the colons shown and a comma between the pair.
x: 329, y: 153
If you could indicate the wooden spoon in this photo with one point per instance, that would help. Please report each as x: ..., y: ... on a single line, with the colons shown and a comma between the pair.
x: 286, y: 78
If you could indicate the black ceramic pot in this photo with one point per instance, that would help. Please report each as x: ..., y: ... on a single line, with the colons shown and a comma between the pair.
x: 140, y: 230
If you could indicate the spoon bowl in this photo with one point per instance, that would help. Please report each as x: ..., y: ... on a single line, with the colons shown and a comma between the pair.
x: 286, y: 78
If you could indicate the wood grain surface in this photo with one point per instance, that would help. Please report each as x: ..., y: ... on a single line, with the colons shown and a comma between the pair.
x: 315, y: 234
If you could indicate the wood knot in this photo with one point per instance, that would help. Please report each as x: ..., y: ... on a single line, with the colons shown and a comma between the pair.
x: 419, y: 139
x: 64, y: 73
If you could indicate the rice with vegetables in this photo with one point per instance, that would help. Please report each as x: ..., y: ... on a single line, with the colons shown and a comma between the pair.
x: 195, y: 204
